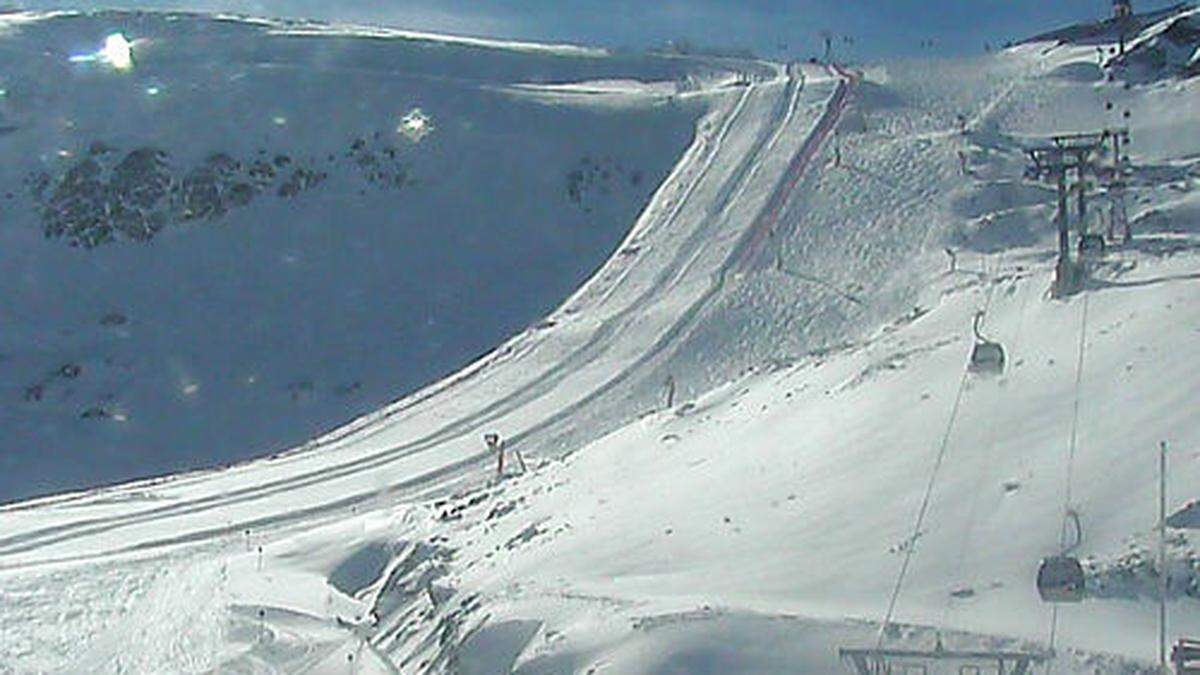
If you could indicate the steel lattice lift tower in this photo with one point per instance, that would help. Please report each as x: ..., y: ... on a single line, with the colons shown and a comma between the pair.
x: 1069, y: 162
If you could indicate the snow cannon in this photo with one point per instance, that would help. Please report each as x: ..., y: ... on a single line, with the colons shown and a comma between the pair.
x: 987, y: 356
x: 1060, y: 580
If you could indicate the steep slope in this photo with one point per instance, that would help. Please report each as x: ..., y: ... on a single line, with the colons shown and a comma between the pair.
x: 698, y: 218
x: 828, y: 466
x: 257, y: 232
x: 762, y: 526
x: 1146, y: 47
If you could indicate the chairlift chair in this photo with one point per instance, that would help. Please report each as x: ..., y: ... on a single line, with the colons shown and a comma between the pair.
x: 987, y: 356
x: 1060, y: 579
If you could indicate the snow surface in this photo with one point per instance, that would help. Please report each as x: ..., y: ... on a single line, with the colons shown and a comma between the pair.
x: 788, y: 278
x: 357, y: 31
x: 355, y: 266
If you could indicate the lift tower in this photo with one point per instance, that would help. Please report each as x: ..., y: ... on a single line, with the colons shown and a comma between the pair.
x: 1069, y: 156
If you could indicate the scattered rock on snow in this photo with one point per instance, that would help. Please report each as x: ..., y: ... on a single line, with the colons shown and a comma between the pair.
x: 114, y: 319
x: 70, y: 371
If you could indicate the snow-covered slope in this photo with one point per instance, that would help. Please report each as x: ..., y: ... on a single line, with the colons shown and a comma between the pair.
x: 827, y: 461
x: 259, y: 231
x: 1160, y: 44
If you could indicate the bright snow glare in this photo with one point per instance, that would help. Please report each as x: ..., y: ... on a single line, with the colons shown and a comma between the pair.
x: 116, y: 53
x: 416, y: 125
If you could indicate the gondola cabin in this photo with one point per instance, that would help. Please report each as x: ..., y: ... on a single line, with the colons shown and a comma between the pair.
x: 1061, y: 579
x: 987, y: 357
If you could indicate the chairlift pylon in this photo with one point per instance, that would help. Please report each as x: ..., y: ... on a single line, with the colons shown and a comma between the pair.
x: 1092, y: 246
x: 987, y: 356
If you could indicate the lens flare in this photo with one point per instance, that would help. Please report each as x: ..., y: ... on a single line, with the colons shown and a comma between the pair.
x: 416, y: 125
x: 117, y: 53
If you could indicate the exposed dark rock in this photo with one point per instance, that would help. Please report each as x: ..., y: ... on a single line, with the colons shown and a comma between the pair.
x: 600, y: 177
x: 104, y: 197
x: 379, y: 163
x: 95, y: 413
x: 299, y: 181
x: 114, y: 319
x: 70, y: 371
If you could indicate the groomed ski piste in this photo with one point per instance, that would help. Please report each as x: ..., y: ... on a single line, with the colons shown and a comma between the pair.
x: 825, y: 466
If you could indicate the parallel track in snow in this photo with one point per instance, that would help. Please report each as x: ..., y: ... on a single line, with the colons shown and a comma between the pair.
x: 459, y: 427
x: 769, y: 217
x: 600, y: 342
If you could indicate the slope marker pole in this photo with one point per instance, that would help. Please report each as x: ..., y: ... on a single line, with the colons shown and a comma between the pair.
x: 1162, y: 558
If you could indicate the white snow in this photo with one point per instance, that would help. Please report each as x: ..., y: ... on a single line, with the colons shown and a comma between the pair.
x: 359, y: 244
x: 303, y: 28
x: 798, y: 301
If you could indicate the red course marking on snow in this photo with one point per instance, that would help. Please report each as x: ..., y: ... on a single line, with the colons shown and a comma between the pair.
x: 765, y: 224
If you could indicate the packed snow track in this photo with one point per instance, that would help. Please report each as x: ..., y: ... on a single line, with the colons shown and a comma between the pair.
x: 700, y: 226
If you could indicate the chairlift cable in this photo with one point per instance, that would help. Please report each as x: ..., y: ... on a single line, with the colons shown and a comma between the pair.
x: 1071, y: 450
x: 1073, y: 447
x: 912, y: 541
x: 991, y: 434
x: 911, y: 546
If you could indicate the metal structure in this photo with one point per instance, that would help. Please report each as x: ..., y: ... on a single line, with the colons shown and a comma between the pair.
x: 1185, y: 656
x: 1060, y: 579
x: 1070, y: 162
x: 940, y: 661
x: 1115, y: 183
x: 987, y: 356
x: 1092, y: 246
